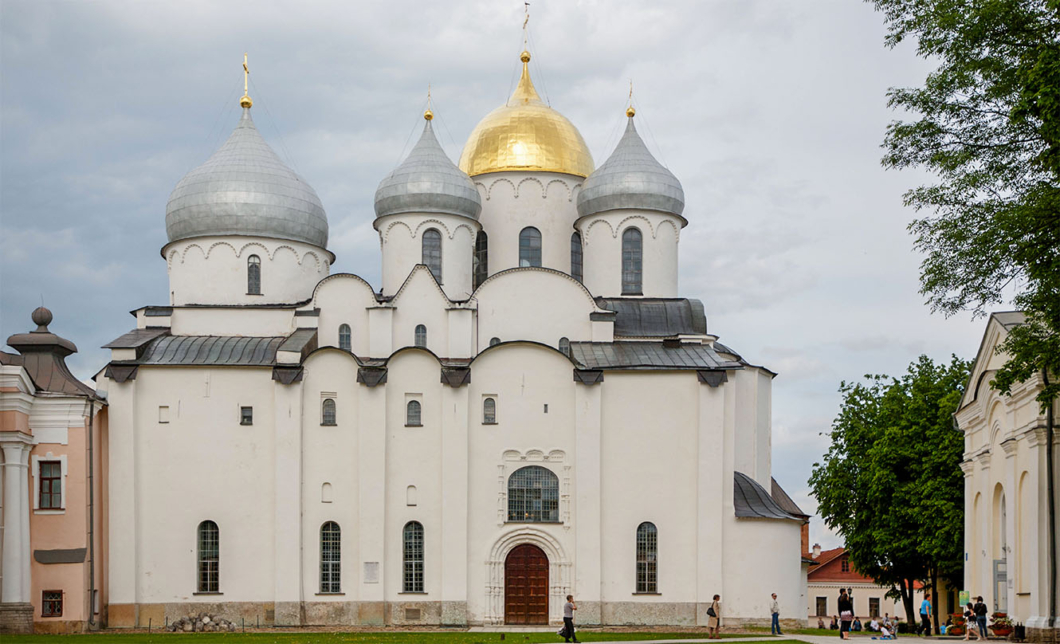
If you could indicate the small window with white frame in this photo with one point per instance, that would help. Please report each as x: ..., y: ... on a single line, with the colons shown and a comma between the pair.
x: 489, y: 410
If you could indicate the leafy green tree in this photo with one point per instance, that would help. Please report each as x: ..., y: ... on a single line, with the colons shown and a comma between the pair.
x: 891, y: 484
x: 988, y: 126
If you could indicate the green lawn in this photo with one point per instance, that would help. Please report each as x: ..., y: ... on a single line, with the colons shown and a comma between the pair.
x: 432, y: 637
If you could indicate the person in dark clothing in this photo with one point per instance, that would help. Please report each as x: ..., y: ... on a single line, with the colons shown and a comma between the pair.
x: 568, y: 620
x: 980, y: 616
x: 846, y: 614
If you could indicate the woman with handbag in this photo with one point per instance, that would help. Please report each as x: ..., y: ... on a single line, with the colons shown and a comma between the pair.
x: 714, y: 613
x: 846, y: 614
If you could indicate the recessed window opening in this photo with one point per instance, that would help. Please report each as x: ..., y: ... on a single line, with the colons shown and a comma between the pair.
x: 327, y: 412
x: 564, y: 346
x: 51, y: 603
x: 576, y: 256
x: 632, y: 262
x: 51, y: 485
x: 481, y: 263
x: 530, y: 247
x: 345, y: 341
x: 489, y: 411
x: 413, y: 414
x: 533, y: 495
x: 421, y: 336
x: 412, y: 556
x: 330, y: 558
x: 647, y: 564
x: 432, y: 252
x: 246, y: 415
x: 494, y: 341
x: 209, y: 557
x: 253, y: 275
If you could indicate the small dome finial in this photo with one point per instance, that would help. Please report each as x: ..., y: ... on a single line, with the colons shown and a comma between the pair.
x: 630, y: 112
x: 428, y: 114
x: 42, y: 317
x: 245, y: 101
x: 525, y: 56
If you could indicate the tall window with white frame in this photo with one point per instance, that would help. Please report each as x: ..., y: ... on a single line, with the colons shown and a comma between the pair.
x: 533, y: 495
x: 412, y: 536
x: 413, y: 414
x: 632, y: 262
x: 481, y: 258
x: 530, y: 247
x: 432, y: 252
x: 209, y: 557
x: 253, y: 275
x: 576, y: 256
x: 328, y: 411
x: 647, y: 564
x: 345, y: 339
x: 330, y: 558
x: 51, y: 485
x: 421, y: 336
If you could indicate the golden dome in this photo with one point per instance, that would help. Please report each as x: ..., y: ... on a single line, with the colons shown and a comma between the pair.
x: 526, y: 134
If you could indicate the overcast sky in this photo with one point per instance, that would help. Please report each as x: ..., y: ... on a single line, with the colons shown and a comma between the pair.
x: 771, y: 114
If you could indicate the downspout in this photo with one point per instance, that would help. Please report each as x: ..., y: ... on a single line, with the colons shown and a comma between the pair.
x: 91, y: 522
x: 1051, y: 486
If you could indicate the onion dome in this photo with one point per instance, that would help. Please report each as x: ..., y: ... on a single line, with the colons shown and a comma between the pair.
x: 631, y: 179
x: 526, y: 134
x: 244, y: 189
x: 427, y: 181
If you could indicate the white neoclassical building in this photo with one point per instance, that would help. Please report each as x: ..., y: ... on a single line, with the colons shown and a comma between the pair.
x: 1007, y: 492
x: 524, y: 409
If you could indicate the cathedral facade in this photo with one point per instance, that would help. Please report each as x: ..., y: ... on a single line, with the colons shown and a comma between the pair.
x: 524, y: 409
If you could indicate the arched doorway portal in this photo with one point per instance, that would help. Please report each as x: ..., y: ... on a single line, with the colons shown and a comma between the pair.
x: 526, y: 586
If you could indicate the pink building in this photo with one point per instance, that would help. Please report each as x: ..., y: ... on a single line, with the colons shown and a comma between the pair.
x: 52, y: 543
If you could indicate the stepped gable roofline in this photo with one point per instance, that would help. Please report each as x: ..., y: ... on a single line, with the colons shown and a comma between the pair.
x: 245, y: 189
x: 631, y: 179
x: 427, y: 182
x: 751, y: 501
x: 656, y: 317
x: 784, y: 501
x: 43, y: 356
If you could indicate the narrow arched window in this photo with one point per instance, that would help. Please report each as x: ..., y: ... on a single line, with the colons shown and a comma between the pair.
x: 432, y: 252
x: 564, y: 346
x: 253, y: 275
x: 209, y: 557
x: 412, y: 536
x: 576, y: 256
x: 330, y: 558
x: 413, y: 415
x: 647, y: 564
x: 494, y: 341
x: 327, y: 412
x: 530, y: 247
x: 421, y: 336
x: 489, y: 411
x: 344, y: 338
x: 632, y: 262
x: 481, y: 258
x: 533, y: 495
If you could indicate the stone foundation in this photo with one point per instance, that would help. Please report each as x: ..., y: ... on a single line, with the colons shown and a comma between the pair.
x: 1045, y: 635
x: 16, y: 618
x: 414, y: 613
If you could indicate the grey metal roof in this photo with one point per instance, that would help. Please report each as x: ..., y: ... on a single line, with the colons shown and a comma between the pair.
x: 135, y: 339
x: 784, y: 501
x: 427, y: 181
x: 244, y: 189
x: 233, y: 351
x: 646, y: 355
x: 631, y: 178
x: 651, y: 317
x: 43, y: 356
x: 751, y: 501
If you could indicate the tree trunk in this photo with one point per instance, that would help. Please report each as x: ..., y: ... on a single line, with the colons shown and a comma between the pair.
x: 906, y: 588
x: 935, y: 597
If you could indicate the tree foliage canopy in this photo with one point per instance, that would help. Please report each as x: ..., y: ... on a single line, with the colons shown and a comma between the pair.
x: 988, y: 127
x: 890, y: 483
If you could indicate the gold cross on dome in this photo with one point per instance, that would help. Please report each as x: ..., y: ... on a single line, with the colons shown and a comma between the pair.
x: 245, y: 101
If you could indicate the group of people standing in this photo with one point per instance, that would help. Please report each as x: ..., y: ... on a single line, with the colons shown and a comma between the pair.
x: 975, y: 619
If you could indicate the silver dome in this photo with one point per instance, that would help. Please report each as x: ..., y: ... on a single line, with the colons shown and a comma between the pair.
x: 427, y: 181
x: 244, y: 189
x: 631, y: 179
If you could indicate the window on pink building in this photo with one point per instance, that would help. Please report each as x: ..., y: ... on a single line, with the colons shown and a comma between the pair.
x: 51, y: 485
x: 52, y: 603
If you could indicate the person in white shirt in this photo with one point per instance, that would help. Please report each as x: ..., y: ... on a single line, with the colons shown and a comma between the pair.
x: 774, y: 609
x: 874, y: 625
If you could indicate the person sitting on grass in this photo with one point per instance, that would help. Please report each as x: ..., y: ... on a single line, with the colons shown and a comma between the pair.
x: 820, y: 623
x: 835, y: 624
x: 856, y: 626
x: 874, y: 625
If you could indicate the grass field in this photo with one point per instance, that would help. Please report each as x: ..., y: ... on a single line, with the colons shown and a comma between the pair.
x: 280, y: 637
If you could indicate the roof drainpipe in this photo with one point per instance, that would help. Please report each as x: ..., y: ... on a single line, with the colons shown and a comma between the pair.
x: 1051, y: 486
x: 91, y: 522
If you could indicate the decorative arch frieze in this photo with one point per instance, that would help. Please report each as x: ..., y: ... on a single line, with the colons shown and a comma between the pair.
x: 566, y: 188
x: 428, y: 223
x: 187, y: 249
x: 470, y: 231
x: 315, y: 258
x: 394, y: 224
x: 588, y: 229
x: 670, y: 223
x: 247, y: 245
x: 489, y: 191
x: 519, y: 188
x: 622, y: 225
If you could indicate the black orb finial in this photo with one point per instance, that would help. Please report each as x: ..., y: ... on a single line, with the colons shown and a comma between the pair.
x: 42, y: 317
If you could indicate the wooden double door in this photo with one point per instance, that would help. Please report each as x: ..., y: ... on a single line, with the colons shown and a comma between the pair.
x: 526, y: 586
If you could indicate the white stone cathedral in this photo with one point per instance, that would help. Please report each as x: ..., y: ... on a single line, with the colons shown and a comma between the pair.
x: 525, y: 408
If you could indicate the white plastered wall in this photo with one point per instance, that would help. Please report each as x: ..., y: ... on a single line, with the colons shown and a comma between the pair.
x: 401, y: 237
x: 213, y: 270
x: 533, y: 304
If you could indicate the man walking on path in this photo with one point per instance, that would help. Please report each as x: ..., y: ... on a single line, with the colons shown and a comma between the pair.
x: 774, y: 608
x: 925, y: 615
x: 980, y: 616
x: 568, y: 620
